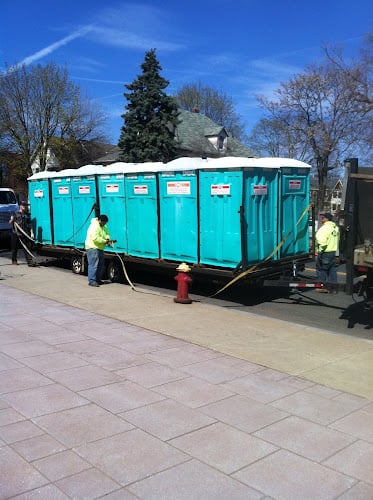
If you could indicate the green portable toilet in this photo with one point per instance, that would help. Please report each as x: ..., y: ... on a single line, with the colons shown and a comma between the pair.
x: 84, y: 200
x: 62, y: 213
x: 40, y: 207
x: 178, y: 215
x: 260, y: 212
x: 220, y: 200
x: 142, y: 212
x: 112, y: 202
x: 295, y: 199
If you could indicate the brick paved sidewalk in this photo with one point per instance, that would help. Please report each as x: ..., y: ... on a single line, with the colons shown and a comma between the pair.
x: 94, y: 407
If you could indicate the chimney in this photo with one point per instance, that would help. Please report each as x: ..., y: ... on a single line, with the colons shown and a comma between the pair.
x: 195, y: 110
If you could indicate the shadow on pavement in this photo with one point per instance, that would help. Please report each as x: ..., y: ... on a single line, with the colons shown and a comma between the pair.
x: 359, y: 313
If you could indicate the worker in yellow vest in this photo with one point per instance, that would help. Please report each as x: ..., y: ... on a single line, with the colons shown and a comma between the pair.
x: 327, y: 241
x: 97, y: 237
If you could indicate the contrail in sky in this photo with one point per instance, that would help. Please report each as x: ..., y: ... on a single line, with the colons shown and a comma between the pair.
x: 54, y: 46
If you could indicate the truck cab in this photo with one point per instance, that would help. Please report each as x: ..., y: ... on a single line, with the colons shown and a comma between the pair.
x: 358, y: 229
x: 8, y: 205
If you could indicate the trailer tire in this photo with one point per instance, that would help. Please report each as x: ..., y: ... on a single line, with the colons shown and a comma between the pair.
x: 114, y: 271
x: 77, y: 264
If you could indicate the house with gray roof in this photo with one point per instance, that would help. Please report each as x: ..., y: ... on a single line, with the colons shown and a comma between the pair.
x: 111, y: 156
x: 196, y: 136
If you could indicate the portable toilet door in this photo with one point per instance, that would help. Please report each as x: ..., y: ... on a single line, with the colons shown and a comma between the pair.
x: 178, y: 215
x: 260, y: 213
x: 112, y: 203
x: 40, y: 207
x: 295, y: 199
x: 142, y: 215
x: 220, y: 197
x: 62, y: 212
x: 84, y: 197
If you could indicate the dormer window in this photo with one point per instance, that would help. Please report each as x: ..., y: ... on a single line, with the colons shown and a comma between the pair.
x: 217, y: 138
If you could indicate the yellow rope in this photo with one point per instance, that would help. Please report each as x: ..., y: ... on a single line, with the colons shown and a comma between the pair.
x: 252, y: 268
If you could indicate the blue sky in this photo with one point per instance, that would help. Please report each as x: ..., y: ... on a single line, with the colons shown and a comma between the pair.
x: 241, y: 47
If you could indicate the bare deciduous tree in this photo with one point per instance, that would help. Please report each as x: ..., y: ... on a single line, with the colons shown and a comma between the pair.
x: 320, y: 115
x: 39, y: 104
x: 357, y: 77
x: 273, y: 137
x: 358, y: 73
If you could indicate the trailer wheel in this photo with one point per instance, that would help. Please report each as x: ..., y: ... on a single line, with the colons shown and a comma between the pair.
x: 114, y: 271
x: 77, y: 264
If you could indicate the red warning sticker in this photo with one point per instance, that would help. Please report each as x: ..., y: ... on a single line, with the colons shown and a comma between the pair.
x: 260, y: 189
x: 219, y: 189
x: 140, y: 189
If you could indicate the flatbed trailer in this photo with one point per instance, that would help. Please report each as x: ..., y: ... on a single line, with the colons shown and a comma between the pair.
x: 229, y: 219
x: 284, y: 273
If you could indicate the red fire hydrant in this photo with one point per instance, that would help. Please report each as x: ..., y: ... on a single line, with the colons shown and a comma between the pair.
x: 183, y: 281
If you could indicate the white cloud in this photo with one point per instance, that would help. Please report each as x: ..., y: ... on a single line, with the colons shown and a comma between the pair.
x: 125, y: 39
x: 86, y: 64
x: 132, y: 26
x: 224, y: 60
x: 135, y: 26
x: 267, y: 67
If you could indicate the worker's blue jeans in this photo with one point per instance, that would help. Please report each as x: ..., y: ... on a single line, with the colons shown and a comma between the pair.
x: 96, y: 264
x: 326, y: 268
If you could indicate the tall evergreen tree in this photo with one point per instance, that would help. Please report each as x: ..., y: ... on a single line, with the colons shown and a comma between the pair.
x: 151, y: 117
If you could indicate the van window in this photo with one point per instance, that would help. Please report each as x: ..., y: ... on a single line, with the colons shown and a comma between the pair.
x: 7, y: 198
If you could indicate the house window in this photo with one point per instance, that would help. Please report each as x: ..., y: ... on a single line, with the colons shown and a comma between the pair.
x: 221, y: 142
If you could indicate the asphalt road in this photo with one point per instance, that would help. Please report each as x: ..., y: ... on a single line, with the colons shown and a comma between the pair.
x: 340, y: 313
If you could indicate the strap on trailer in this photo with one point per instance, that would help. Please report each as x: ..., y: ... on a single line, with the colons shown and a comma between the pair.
x: 292, y: 284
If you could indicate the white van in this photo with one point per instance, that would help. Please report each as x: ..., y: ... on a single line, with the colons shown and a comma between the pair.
x: 8, y: 205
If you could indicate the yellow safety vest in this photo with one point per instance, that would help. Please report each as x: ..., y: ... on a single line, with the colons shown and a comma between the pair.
x: 96, y: 235
x: 327, y: 237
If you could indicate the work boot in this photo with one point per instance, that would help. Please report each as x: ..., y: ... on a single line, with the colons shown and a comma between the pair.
x: 14, y: 262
